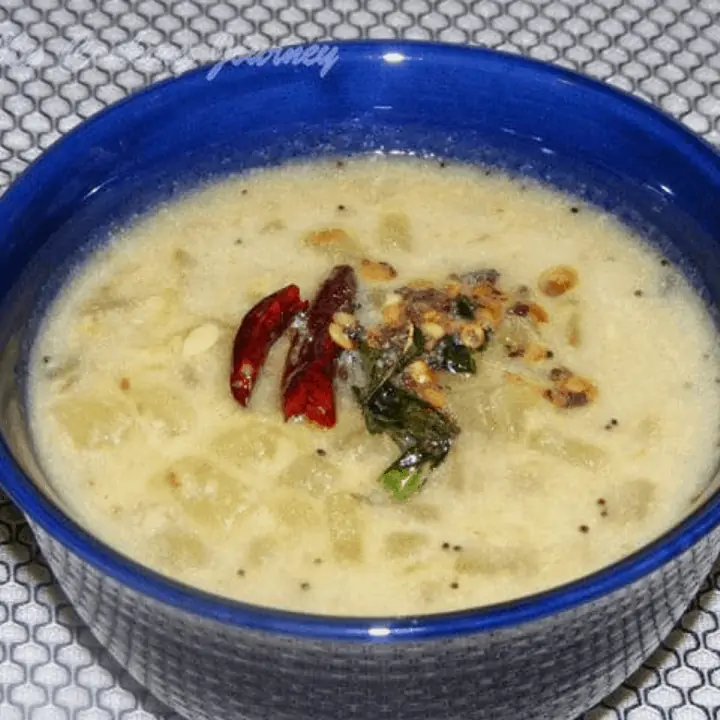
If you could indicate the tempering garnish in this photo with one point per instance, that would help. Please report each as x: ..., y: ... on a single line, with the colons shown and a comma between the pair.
x: 311, y: 362
x: 428, y: 329
x: 260, y: 329
x: 423, y: 433
x: 558, y: 280
x: 307, y: 383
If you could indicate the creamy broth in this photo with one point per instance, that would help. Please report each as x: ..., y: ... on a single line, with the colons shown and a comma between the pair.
x: 137, y: 429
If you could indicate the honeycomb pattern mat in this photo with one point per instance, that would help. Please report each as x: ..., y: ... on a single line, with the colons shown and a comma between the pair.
x: 61, y: 61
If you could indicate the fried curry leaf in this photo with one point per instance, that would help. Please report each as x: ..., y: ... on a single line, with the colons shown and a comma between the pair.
x: 381, y: 365
x: 405, y: 476
x: 425, y: 441
x: 451, y: 355
x: 423, y: 434
x: 464, y: 307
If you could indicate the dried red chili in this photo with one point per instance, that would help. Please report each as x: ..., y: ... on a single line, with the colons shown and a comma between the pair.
x: 311, y: 361
x: 260, y: 329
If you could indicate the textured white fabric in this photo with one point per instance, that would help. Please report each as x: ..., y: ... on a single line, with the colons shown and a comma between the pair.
x: 61, y: 61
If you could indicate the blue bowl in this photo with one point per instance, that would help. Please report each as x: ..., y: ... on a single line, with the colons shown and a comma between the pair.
x: 552, y: 655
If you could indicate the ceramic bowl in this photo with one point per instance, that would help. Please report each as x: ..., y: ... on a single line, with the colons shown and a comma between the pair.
x: 550, y: 656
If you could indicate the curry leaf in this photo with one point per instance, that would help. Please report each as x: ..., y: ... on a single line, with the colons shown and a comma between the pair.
x: 455, y: 357
x: 380, y: 366
x: 402, y: 482
x: 423, y: 434
x: 464, y: 307
x: 409, y: 473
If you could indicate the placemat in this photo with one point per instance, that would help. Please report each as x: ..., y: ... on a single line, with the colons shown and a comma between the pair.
x: 60, y: 62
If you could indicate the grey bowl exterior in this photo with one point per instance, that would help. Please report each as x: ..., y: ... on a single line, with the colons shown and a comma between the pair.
x: 554, y: 668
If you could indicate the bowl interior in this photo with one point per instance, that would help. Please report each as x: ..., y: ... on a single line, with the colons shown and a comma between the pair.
x: 465, y: 105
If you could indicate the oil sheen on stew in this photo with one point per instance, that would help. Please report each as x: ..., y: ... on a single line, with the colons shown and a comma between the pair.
x: 376, y: 386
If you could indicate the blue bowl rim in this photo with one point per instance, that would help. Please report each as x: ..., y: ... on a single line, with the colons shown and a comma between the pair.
x: 44, y: 513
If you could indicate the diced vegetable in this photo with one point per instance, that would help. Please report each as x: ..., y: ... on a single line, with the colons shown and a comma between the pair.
x: 571, y: 450
x: 162, y: 409
x: 404, y: 544
x: 510, y: 405
x: 394, y: 232
x: 421, y: 512
x: 242, y: 445
x: 95, y: 420
x: 206, y: 494
x: 343, y: 515
x: 178, y: 549
x: 316, y: 475
x: 635, y: 499
x: 295, y: 512
x: 495, y: 560
x: 260, y: 550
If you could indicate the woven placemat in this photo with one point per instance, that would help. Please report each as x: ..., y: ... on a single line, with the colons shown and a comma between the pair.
x: 62, y: 61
